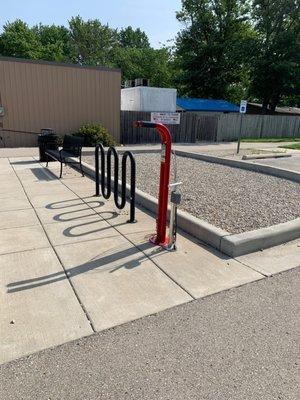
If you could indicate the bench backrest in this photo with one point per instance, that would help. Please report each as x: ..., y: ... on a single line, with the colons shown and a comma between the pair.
x: 73, y: 144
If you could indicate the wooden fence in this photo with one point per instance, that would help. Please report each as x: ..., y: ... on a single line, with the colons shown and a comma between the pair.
x: 257, y: 126
x: 191, y: 129
x: 223, y: 127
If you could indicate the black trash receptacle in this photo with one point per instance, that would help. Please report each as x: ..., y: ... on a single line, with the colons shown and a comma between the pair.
x: 47, y: 140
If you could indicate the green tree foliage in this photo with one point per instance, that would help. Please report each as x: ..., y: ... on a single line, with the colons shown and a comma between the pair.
x: 89, y: 43
x: 92, y: 43
x: 131, y: 38
x: 211, y: 47
x: 275, y: 67
x: 147, y: 63
x: 238, y: 48
x: 227, y: 49
x: 18, y: 40
x: 54, y: 42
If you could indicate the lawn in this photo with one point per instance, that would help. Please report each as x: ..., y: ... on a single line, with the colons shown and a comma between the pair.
x: 271, y: 140
x: 295, y: 146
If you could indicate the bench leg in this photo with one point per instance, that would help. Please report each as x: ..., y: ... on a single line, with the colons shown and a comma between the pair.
x: 81, y: 168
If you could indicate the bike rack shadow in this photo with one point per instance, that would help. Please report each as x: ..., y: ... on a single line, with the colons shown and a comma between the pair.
x: 94, y: 264
x: 59, y: 205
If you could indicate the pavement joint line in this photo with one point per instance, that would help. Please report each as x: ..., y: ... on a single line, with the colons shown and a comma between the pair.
x: 20, y: 226
x: 149, y: 257
x: 82, y: 241
x: 253, y: 269
x: 15, y: 209
x: 204, y: 243
x: 137, y: 247
x: 25, y: 251
x: 42, y: 207
x: 221, y: 238
x: 60, y: 261
x: 263, y: 276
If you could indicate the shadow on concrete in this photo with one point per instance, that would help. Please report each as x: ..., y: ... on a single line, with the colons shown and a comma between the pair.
x: 60, y: 205
x: 95, y: 263
x: 25, y: 162
x: 43, y: 175
x: 68, y: 232
x: 63, y: 216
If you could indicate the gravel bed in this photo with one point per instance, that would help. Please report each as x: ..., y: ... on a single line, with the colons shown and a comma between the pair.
x: 230, y: 198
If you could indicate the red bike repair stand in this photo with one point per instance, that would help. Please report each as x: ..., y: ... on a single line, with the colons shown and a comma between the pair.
x: 160, y: 238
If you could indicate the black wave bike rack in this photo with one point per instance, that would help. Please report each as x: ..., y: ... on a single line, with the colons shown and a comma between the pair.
x: 106, y: 183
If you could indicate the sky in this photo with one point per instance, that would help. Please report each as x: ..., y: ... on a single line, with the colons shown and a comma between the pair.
x: 156, y: 17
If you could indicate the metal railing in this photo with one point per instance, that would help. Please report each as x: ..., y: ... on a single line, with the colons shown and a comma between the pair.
x: 104, y: 178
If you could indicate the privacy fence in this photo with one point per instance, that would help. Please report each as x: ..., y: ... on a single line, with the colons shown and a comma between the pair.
x: 193, y: 127
x: 259, y: 126
x: 132, y: 135
x: 223, y: 127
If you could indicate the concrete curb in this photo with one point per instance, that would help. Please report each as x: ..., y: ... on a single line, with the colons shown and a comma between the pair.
x: 231, y: 244
x: 264, y: 169
x: 264, y: 156
x: 248, y: 242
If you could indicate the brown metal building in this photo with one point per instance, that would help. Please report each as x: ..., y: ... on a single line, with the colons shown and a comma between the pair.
x: 39, y: 94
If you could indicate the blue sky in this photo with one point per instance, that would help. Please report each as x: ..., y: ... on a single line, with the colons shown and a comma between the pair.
x: 156, y: 17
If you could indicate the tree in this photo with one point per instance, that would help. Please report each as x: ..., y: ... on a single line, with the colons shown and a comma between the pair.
x: 92, y: 43
x: 54, y: 41
x: 89, y: 43
x: 275, y: 67
x: 18, y: 40
x: 211, y: 48
x: 144, y: 63
x: 131, y: 38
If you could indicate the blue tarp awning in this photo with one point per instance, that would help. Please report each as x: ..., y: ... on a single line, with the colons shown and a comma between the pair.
x: 192, y: 104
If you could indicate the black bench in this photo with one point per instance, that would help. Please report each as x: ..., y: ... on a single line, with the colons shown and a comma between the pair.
x: 72, y: 146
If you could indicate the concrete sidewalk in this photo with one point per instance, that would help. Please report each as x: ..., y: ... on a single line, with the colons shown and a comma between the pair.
x: 71, y: 266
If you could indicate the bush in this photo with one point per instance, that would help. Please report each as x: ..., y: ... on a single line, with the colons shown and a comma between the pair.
x: 94, y: 134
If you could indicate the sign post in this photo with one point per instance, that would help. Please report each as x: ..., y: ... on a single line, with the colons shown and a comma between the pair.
x: 243, y: 110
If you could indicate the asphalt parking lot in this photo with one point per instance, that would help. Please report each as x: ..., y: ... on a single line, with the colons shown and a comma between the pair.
x: 238, y: 344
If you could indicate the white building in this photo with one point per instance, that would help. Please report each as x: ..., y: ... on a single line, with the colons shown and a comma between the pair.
x: 149, y: 99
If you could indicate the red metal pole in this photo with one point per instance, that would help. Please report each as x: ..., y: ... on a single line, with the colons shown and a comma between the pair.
x: 166, y: 140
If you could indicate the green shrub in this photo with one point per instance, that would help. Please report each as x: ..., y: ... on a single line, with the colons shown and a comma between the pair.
x: 94, y: 134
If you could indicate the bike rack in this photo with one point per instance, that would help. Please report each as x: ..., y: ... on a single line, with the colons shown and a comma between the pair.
x: 106, y: 183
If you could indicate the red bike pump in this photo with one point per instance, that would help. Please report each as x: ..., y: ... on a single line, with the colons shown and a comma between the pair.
x: 161, y: 238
